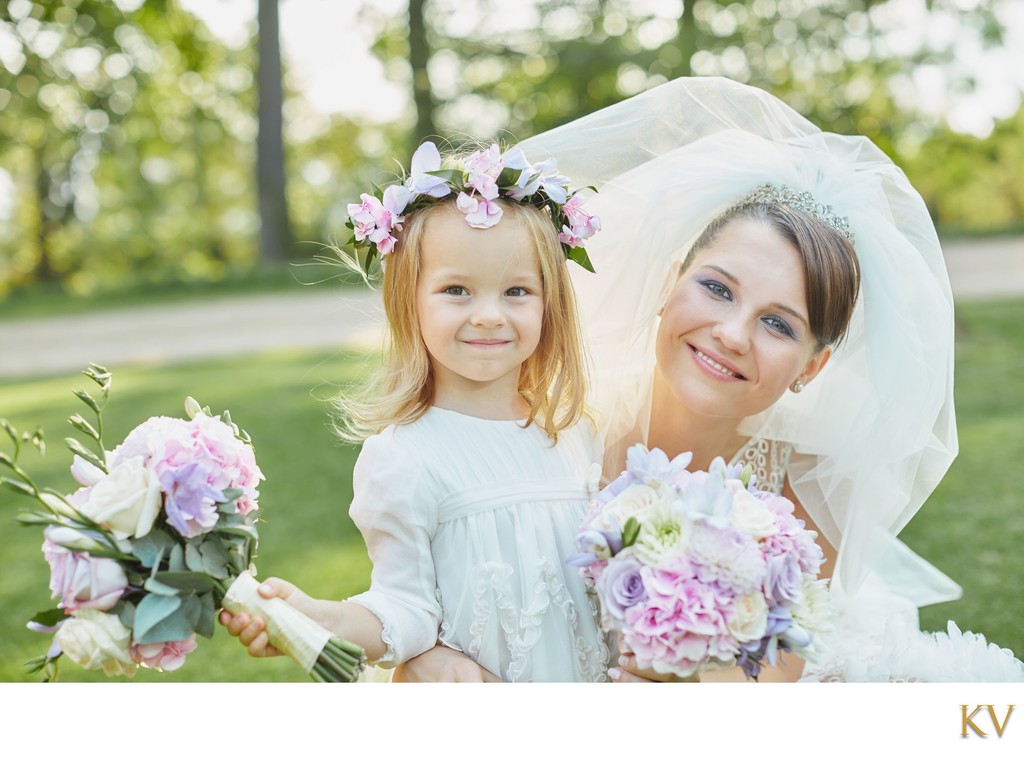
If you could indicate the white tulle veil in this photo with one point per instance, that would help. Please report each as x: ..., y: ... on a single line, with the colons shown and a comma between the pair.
x: 875, y: 432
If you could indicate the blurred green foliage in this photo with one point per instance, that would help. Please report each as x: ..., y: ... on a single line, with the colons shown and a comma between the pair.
x: 127, y: 129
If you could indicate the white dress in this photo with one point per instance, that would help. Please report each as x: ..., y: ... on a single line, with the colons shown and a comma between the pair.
x: 469, y: 523
x: 876, y: 635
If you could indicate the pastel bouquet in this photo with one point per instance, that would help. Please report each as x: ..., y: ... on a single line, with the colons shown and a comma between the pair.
x: 700, y: 571
x: 160, y: 535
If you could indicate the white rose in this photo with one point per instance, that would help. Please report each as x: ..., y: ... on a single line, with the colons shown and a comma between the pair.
x: 126, y: 501
x: 638, y: 501
x: 751, y: 516
x: 97, y: 640
x: 662, y: 535
x: 85, y: 473
x: 751, y: 619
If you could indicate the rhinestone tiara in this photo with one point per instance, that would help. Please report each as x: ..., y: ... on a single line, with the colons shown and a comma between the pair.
x: 804, y: 201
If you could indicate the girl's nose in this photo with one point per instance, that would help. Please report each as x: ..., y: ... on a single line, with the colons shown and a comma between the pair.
x: 733, y: 332
x: 487, y: 312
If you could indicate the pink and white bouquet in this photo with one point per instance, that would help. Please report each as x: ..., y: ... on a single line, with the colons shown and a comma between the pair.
x: 159, y: 536
x: 700, y: 571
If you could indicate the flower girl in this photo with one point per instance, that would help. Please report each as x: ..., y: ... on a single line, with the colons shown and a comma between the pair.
x: 478, y: 458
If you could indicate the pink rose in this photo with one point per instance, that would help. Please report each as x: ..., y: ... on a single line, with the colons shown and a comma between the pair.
x: 80, y: 581
x: 163, y: 655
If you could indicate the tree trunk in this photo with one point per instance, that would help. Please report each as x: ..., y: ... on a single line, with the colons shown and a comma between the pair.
x: 419, y: 55
x: 687, y: 39
x: 43, y: 270
x: 275, y: 228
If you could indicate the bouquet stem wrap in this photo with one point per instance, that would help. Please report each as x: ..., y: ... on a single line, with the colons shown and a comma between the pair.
x: 316, y: 650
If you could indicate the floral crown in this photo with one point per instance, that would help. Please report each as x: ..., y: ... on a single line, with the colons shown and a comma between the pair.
x: 479, y: 179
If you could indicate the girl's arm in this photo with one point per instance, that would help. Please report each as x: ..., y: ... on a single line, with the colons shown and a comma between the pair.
x: 442, y: 664
x: 348, y: 620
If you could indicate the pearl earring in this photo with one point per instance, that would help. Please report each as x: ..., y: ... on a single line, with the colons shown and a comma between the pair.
x: 797, y: 386
x: 661, y: 311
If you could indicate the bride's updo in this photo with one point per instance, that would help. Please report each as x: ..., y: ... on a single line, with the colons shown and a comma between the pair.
x: 830, y: 262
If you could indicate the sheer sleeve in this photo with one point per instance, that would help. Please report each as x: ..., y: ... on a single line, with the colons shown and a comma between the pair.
x: 394, y: 511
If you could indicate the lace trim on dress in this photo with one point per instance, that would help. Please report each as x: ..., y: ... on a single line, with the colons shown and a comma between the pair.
x: 492, y: 591
x: 769, y: 460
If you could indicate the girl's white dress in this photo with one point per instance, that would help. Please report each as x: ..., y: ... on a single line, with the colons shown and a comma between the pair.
x: 469, y: 523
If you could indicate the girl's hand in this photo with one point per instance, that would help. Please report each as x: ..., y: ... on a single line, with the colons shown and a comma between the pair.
x: 250, y: 631
x: 442, y: 664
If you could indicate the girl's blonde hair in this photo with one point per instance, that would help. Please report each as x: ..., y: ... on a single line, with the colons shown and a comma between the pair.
x: 552, y: 380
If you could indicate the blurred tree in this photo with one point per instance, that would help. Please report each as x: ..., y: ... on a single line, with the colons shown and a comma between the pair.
x: 848, y: 65
x: 59, y: 81
x: 276, y: 241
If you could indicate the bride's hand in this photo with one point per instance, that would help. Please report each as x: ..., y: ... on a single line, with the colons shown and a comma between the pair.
x: 442, y: 664
x: 629, y: 672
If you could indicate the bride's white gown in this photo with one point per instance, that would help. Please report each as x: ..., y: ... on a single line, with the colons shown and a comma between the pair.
x: 876, y: 431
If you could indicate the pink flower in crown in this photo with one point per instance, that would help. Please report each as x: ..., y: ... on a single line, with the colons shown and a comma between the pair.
x: 426, y: 159
x: 375, y: 219
x: 583, y: 224
x: 569, y: 237
x: 480, y: 212
x: 163, y: 655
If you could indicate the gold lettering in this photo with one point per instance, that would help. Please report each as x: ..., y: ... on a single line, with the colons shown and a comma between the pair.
x: 995, y: 721
x: 968, y: 722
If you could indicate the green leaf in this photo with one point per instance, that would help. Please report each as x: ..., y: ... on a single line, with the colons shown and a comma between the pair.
x: 89, y: 400
x: 630, y: 532
x: 196, y: 583
x: 126, y: 613
x: 37, y: 518
x: 18, y: 486
x: 176, y: 562
x: 154, y: 586
x: 579, y: 255
x: 161, y: 618
x: 152, y: 547
x: 6, y: 460
x: 231, y: 495
x: 245, y: 531
x: 193, y: 559
x: 77, y: 448
x: 453, y: 176
x: 10, y: 430
x: 78, y: 422
x: 49, y: 618
x: 207, y: 615
x: 215, y: 559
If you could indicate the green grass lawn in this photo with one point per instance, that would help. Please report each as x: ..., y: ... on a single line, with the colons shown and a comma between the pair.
x: 971, y: 528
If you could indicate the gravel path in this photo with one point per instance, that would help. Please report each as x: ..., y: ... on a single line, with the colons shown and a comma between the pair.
x: 978, y: 269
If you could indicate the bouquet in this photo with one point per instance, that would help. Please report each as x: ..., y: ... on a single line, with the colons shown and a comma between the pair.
x: 700, y: 571
x: 160, y: 535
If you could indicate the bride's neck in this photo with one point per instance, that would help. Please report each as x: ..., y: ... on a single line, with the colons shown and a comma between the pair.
x: 675, y: 429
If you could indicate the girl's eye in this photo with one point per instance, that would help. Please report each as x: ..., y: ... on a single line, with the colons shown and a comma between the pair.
x: 455, y: 290
x: 517, y: 292
x: 716, y: 288
x: 779, y: 325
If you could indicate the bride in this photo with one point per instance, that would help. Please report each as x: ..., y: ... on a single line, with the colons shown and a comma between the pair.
x: 724, y: 351
x: 860, y: 448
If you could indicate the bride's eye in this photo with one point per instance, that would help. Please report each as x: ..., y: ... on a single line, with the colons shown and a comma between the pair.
x: 779, y: 325
x: 715, y: 288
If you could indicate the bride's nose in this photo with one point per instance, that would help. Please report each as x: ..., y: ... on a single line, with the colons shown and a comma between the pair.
x: 733, y: 332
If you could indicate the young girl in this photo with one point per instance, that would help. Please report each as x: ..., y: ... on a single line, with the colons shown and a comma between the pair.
x: 477, y: 456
